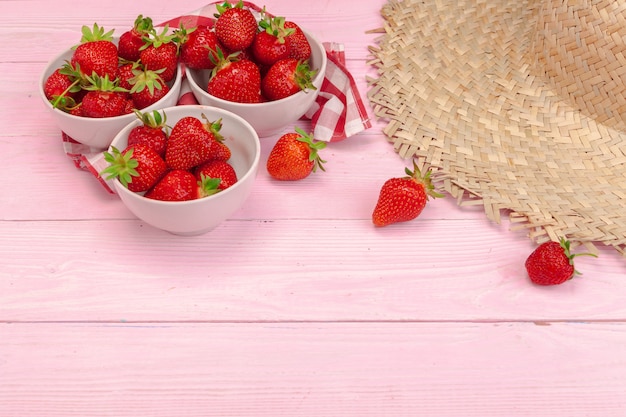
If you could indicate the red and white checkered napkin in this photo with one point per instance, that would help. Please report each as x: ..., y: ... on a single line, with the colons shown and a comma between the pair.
x: 338, y: 112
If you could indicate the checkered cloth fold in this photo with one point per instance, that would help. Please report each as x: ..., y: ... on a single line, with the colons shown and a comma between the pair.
x: 337, y: 113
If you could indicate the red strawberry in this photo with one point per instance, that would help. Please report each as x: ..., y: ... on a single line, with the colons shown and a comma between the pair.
x: 130, y: 106
x: 132, y: 40
x: 190, y: 142
x: 300, y: 48
x: 552, y: 263
x: 75, y: 110
x: 235, y: 26
x: 273, y: 43
x: 96, y: 53
x: 138, y: 167
x: 148, y: 87
x: 104, y: 98
x: 198, y: 48
x: 125, y: 73
x: 58, y: 84
x: 160, y: 52
x: 151, y: 132
x: 219, y: 150
x: 176, y: 185
x: 64, y: 88
x: 221, y: 170
x: 235, y: 80
x: 294, y: 156
x: 403, y: 199
x: 287, y: 77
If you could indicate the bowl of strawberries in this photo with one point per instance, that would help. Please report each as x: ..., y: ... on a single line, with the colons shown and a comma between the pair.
x: 92, y: 89
x: 264, y: 68
x: 184, y: 169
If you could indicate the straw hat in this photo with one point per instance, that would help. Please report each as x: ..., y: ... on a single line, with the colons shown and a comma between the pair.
x: 516, y: 105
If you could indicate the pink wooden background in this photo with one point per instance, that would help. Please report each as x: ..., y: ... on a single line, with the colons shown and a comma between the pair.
x: 297, y: 305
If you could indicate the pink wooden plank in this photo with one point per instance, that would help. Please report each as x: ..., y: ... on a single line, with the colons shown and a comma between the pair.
x: 290, y: 269
x: 314, y: 369
x: 103, y: 315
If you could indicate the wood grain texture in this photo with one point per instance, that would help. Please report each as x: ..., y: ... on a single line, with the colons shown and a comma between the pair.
x: 284, y: 269
x: 313, y: 369
x: 295, y: 306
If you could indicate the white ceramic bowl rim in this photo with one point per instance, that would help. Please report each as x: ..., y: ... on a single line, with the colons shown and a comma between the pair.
x: 58, y: 58
x: 319, y: 75
x: 249, y: 171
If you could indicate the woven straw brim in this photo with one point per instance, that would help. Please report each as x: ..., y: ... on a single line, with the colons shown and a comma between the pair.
x: 474, y: 91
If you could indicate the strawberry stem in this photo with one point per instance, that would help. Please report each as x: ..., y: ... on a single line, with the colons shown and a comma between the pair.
x: 208, y: 185
x: 314, y: 148
x: 122, y: 166
x: 425, y: 180
x: 566, y: 246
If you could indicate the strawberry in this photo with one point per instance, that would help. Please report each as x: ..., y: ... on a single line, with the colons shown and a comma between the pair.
x: 104, y: 98
x: 125, y: 73
x: 129, y: 107
x: 235, y: 80
x: 300, y: 48
x: 219, y: 150
x: 131, y: 41
x: 235, y: 26
x: 287, y: 77
x: 138, y: 167
x: 552, y: 263
x: 221, y: 170
x: 152, y: 131
x: 181, y: 185
x: 160, y: 51
x: 273, y: 43
x: 59, y: 84
x: 148, y: 87
x: 403, y: 199
x: 64, y: 88
x: 96, y: 53
x: 295, y: 156
x: 198, y: 47
x: 190, y: 142
x: 176, y: 185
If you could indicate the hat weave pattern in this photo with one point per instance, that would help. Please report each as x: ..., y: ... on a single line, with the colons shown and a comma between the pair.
x: 516, y: 105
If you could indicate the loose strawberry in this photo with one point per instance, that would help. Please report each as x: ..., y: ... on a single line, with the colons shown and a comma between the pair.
x: 131, y: 41
x: 152, y: 131
x: 176, y: 185
x: 104, y: 98
x: 198, y: 47
x: 552, y: 263
x: 235, y: 26
x: 300, y: 48
x: 160, y: 51
x: 148, y: 87
x: 273, y: 43
x: 295, y: 156
x: 287, y: 77
x: 190, y: 142
x: 96, y: 53
x: 138, y: 167
x: 221, y: 170
x: 235, y: 80
x: 403, y: 199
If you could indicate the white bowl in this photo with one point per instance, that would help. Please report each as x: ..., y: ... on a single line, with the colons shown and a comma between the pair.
x: 199, y: 216
x: 270, y: 117
x: 98, y: 132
